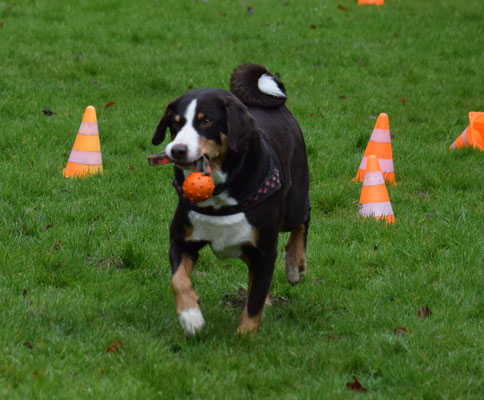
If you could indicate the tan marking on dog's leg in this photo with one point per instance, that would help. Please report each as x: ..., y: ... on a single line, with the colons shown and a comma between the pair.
x: 249, y: 325
x: 295, y: 255
x: 186, y: 300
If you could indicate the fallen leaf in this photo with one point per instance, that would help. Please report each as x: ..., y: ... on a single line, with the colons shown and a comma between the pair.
x: 130, y: 167
x: 396, y: 34
x: 24, y: 293
x: 36, y: 374
x: 313, y: 26
x: 392, y: 136
x: 236, y: 301
x: 190, y: 87
x: 342, y: 8
x: 355, y: 385
x: 109, y: 104
x: 424, y: 312
x: 56, y: 245
x: 115, y: 346
x: 27, y: 344
x: 1, y: 24
x: 312, y: 115
x: 47, y: 227
x: 47, y: 111
x: 278, y: 300
x: 403, y: 100
x: 400, y: 331
x: 342, y: 97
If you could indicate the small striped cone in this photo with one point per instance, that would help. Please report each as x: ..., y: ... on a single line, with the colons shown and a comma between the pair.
x: 374, y: 200
x: 473, y: 135
x: 374, y: 2
x: 85, y: 158
x: 477, y: 124
x: 381, y: 146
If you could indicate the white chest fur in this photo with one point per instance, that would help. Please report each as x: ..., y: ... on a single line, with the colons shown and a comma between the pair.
x: 226, y: 234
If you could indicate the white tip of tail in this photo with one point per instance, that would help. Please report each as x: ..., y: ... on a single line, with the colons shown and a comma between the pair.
x: 269, y: 86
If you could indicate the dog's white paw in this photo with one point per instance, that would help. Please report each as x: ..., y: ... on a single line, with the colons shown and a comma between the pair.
x: 191, y: 320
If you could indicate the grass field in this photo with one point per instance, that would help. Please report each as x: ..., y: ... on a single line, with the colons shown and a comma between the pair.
x: 86, y: 307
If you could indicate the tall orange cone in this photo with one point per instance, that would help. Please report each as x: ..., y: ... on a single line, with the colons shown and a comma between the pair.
x: 473, y: 135
x: 381, y: 146
x: 374, y: 2
x: 374, y: 200
x: 85, y: 158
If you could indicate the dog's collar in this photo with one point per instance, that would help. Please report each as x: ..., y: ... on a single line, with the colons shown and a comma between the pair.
x: 266, y: 188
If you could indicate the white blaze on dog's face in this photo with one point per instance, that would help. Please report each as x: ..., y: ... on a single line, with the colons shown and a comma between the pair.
x: 198, y: 128
x: 187, y: 136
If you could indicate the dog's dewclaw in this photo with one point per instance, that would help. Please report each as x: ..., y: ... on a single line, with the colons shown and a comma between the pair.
x: 158, y: 159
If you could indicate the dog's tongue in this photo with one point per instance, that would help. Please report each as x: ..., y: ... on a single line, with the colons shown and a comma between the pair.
x: 158, y: 159
x: 203, y: 166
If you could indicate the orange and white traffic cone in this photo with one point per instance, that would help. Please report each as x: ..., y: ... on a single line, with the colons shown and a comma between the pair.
x: 473, y: 135
x: 374, y: 199
x: 85, y: 158
x: 381, y: 146
x: 374, y: 2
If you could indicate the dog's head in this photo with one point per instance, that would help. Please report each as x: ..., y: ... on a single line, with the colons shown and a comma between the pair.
x: 205, y: 122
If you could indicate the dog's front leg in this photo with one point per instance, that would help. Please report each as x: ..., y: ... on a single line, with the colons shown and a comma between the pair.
x: 261, y: 268
x: 182, y: 260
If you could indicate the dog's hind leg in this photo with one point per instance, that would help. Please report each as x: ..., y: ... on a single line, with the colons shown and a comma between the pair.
x: 186, y: 300
x: 261, y: 269
x: 295, y: 255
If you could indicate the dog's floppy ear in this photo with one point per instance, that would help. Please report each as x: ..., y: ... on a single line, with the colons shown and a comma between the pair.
x: 240, y: 125
x: 159, y: 135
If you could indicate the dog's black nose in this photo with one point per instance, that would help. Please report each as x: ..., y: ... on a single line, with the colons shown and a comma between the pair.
x: 179, y: 151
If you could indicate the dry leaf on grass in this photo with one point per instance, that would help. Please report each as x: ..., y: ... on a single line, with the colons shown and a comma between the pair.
x: 115, y: 346
x: 355, y: 385
x: 424, y: 312
x: 400, y: 331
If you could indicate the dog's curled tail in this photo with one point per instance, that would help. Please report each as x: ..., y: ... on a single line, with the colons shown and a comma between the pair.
x: 254, y: 85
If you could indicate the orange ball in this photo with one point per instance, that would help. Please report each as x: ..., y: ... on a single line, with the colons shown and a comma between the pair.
x: 198, y: 187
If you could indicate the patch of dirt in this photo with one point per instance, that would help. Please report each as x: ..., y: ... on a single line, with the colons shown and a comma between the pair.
x: 238, y: 300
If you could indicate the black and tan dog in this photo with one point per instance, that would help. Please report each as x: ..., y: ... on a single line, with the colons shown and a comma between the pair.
x: 257, y: 158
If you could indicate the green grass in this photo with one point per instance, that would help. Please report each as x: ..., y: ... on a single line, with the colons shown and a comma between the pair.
x: 83, y: 263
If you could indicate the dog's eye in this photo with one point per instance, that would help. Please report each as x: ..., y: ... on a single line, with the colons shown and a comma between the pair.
x: 205, y: 122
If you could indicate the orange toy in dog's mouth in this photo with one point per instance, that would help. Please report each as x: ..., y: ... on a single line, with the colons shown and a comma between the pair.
x: 198, y: 187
